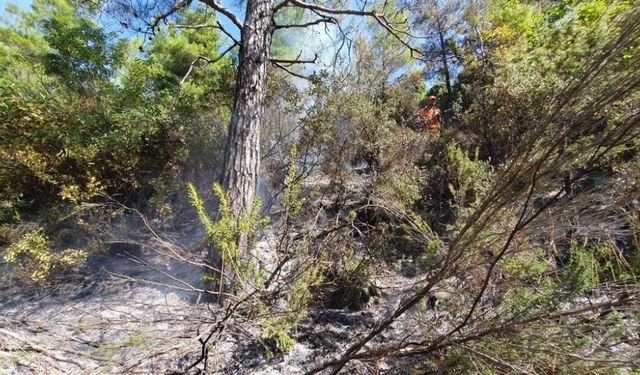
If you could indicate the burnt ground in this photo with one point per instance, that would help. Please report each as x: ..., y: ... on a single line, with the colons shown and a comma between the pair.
x: 137, y: 309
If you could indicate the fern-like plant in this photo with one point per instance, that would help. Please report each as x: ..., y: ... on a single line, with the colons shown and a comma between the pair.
x: 224, y: 233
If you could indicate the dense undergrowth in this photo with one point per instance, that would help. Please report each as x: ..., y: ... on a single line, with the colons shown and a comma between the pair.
x: 520, y: 211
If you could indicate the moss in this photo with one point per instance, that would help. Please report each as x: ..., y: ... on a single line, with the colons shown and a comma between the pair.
x: 108, y: 351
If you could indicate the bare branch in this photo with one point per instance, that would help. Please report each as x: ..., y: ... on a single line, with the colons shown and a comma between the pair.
x: 218, y: 26
x: 323, y: 9
x: 208, y: 60
x: 196, y: 27
x: 380, y: 18
x: 221, y: 28
x: 40, y: 349
x: 497, y: 361
x: 289, y: 71
x: 297, y: 60
x: 311, y: 23
x: 283, y: 4
x: 218, y: 7
x: 162, y: 17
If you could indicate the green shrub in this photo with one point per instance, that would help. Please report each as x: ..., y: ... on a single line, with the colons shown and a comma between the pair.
x: 581, y: 272
x: 224, y: 233
x: 591, y: 264
x: 83, y: 113
x: 34, y: 261
x: 306, y: 271
x: 276, y: 328
x: 468, y: 178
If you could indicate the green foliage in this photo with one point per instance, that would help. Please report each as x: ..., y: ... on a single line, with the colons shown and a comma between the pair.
x: 591, y: 264
x: 306, y: 273
x: 581, y: 272
x: 536, y: 296
x: 633, y: 252
x: 528, y: 266
x: 275, y: 335
x: 401, y: 187
x: 291, y: 197
x: 359, y: 118
x: 353, y: 271
x: 83, y: 113
x: 80, y: 54
x: 534, y: 52
x: 34, y: 261
x: 531, y: 283
x: 225, y: 232
x: 469, y: 178
x: 276, y: 328
x: 9, y: 209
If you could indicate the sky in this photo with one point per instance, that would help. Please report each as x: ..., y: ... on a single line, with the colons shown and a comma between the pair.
x: 21, y: 3
x: 239, y: 11
x: 306, y: 42
x: 24, y: 4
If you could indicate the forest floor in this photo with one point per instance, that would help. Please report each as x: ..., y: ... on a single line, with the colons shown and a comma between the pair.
x: 137, y: 308
x: 133, y: 311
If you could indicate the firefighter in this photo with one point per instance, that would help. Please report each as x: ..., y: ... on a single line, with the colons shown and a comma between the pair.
x: 432, y: 117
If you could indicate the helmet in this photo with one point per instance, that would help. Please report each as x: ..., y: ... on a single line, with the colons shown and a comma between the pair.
x: 431, y: 99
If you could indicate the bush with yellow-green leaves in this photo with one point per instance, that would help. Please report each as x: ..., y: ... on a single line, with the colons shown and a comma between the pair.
x: 35, y: 262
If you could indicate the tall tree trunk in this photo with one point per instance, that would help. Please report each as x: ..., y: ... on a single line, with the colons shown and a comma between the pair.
x: 242, y: 153
x: 445, y: 63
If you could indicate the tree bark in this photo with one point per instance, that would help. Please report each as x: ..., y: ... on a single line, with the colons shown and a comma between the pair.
x: 445, y: 62
x: 242, y: 153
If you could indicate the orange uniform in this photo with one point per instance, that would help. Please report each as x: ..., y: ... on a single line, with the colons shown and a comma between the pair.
x: 433, y: 119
